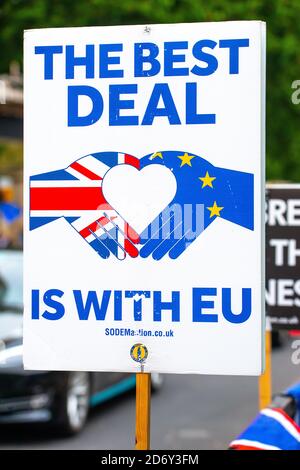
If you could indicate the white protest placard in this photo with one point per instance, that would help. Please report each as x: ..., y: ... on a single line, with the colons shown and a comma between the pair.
x: 143, y: 203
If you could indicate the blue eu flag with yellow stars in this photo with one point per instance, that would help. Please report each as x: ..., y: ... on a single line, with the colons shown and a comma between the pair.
x: 218, y: 192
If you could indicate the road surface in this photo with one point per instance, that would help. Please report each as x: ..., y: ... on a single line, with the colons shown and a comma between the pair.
x: 190, y: 412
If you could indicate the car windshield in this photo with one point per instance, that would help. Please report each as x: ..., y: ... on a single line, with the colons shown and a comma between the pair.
x: 11, y: 281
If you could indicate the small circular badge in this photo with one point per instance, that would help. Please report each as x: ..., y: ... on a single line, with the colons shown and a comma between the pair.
x: 139, y: 353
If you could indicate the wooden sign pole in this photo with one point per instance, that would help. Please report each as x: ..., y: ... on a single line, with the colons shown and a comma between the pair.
x: 265, y: 380
x: 143, y: 408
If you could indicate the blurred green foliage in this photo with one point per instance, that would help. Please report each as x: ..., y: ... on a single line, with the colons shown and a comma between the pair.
x: 11, y: 157
x: 283, y: 59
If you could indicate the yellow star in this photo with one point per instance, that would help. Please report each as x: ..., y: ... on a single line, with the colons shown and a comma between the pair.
x: 186, y: 159
x: 207, y: 180
x: 156, y: 155
x: 215, y: 210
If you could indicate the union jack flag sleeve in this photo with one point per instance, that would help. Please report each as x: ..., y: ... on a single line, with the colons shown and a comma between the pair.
x: 272, y: 429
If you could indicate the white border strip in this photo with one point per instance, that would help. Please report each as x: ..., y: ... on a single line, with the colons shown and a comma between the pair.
x: 66, y: 213
x: 283, y: 186
x: 258, y: 445
x: 84, y: 183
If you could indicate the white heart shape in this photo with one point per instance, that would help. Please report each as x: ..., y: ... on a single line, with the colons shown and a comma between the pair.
x: 139, y: 195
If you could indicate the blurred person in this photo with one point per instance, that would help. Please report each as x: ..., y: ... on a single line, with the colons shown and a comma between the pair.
x: 10, y: 217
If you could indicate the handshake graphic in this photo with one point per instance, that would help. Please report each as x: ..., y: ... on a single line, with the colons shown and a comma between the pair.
x: 123, y: 206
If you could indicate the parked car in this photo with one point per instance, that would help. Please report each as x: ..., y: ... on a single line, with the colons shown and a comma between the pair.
x: 62, y: 399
